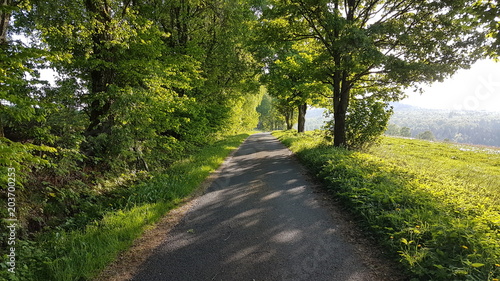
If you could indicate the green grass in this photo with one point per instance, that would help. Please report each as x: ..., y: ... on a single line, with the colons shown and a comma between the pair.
x: 82, y: 254
x: 435, y: 206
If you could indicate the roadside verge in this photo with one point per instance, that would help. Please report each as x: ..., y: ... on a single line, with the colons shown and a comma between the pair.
x: 128, y: 262
x: 439, y: 226
x: 84, y: 254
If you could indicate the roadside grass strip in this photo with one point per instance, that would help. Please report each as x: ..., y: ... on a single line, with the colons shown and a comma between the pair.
x: 435, y: 206
x: 82, y: 254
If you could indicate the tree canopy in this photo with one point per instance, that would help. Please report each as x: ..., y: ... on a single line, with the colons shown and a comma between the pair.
x: 290, y: 78
x: 375, y: 49
x: 145, y: 73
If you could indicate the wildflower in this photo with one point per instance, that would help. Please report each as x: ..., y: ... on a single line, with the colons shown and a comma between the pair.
x: 465, y: 247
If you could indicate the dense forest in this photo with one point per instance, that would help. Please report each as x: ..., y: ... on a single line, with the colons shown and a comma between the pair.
x: 139, y: 84
x: 143, y: 84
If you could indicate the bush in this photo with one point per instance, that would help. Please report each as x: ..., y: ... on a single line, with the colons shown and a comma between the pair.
x: 366, y: 121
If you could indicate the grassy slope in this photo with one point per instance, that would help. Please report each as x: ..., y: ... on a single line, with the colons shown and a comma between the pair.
x: 82, y: 254
x: 435, y: 205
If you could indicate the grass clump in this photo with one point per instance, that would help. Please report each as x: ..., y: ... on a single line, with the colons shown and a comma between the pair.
x: 434, y: 205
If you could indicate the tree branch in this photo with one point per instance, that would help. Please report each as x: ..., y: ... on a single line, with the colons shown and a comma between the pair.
x: 124, y: 11
x: 307, y: 17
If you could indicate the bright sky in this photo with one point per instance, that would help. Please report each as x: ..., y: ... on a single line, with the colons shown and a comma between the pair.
x: 477, y: 88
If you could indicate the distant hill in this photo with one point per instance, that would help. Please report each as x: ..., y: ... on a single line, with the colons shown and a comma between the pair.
x: 315, y: 119
x: 472, y: 127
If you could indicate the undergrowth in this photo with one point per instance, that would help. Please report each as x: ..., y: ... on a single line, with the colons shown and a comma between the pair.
x: 81, y: 253
x: 436, y: 206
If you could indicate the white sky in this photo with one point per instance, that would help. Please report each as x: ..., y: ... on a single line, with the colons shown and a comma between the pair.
x: 477, y: 88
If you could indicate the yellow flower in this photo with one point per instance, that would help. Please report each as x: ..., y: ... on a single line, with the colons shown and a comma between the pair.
x: 465, y: 247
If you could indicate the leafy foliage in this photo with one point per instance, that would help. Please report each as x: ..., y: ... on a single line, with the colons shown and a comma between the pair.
x: 366, y: 120
x: 379, y: 47
x: 290, y: 79
x: 487, y: 12
x: 427, y: 135
x: 269, y: 117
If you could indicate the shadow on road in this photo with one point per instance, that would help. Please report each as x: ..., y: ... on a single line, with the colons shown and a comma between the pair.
x: 259, y: 220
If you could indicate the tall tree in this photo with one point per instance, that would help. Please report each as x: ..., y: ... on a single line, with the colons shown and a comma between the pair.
x: 118, y: 64
x: 269, y: 118
x: 291, y: 80
x: 87, y: 39
x: 216, y: 35
x: 16, y: 62
x: 379, y: 46
x: 149, y: 71
x: 5, y: 7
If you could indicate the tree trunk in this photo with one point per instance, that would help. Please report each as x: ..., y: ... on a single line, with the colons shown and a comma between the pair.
x: 4, y: 21
x: 339, y: 135
x: 341, y: 87
x: 4, y: 28
x: 341, y: 93
x: 288, y: 120
x: 101, y: 77
x: 302, y: 118
x: 100, y: 80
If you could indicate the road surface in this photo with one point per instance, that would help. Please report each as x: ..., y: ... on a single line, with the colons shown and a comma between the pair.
x: 259, y: 220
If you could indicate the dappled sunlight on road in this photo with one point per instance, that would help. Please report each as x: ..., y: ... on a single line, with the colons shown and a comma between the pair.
x: 259, y: 220
x: 287, y: 236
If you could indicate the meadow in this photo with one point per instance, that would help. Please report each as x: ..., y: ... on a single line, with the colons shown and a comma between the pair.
x: 434, y: 206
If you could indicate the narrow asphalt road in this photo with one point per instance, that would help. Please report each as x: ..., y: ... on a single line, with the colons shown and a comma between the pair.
x: 259, y: 220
